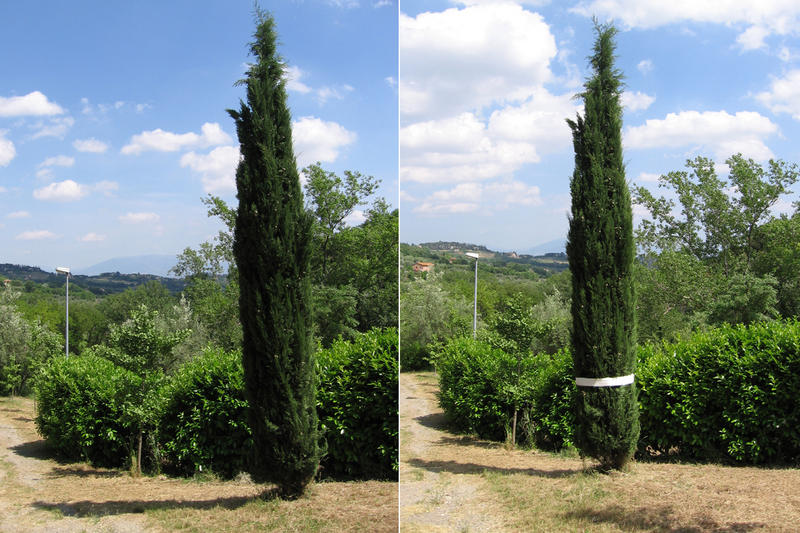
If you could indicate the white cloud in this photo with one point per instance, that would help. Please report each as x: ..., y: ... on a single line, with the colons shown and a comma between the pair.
x: 36, y: 235
x: 636, y: 101
x: 61, y: 191
x: 645, y: 66
x: 390, y: 81
x: 293, y: 83
x: 56, y: 127
x: 7, y: 150
x: 18, y: 214
x: 32, y: 104
x: 464, y: 148
x: 762, y: 18
x: 649, y: 177
x: 480, y: 197
x: 465, y: 59
x: 319, y: 140
x: 165, y: 141
x: 783, y: 95
x: 91, y: 145
x: 717, y: 131
x: 58, y: 161
x: 2, y: 189
x: 356, y: 218
x: 93, y: 237
x: 216, y: 168
x: 139, y: 218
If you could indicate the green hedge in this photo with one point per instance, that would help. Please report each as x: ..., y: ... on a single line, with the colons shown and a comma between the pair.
x: 726, y: 395
x: 203, y: 421
x: 82, y: 409
x: 480, y: 387
x: 357, y: 405
x: 729, y: 394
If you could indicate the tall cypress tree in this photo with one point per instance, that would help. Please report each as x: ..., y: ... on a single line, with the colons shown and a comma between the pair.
x: 271, y: 248
x: 601, y: 250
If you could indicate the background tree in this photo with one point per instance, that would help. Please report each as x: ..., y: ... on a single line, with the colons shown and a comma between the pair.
x: 600, y: 248
x: 272, y: 251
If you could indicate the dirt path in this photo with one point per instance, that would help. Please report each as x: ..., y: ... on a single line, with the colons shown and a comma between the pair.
x: 443, y: 485
x: 40, y: 494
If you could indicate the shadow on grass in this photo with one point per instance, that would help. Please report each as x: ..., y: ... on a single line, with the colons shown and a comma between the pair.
x: 90, y: 508
x: 454, y: 467
x: 466, y: 440
x: 434, y: 421
x: 656, y: 519
x: 83, y: 471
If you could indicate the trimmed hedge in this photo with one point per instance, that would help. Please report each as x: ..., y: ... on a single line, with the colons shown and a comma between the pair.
x: 479, y: 390
x: 725, y: 395
x: 357, y: 405
x: 82, y: 409
x: 729, y: 394
x: 203, y: 419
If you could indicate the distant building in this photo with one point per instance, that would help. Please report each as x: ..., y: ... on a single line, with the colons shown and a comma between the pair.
x: 421, y: 266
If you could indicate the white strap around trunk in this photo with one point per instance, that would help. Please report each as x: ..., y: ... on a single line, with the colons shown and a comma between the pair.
x: 604, y: 382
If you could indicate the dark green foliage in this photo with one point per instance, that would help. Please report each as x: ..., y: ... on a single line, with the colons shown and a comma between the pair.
x: 82, y: 404
x: 600, y: 248
x: 479, y: 390
x: 272, y: 251
x: 729, y: 394
x: 203, y: 418
x: 357, y: 405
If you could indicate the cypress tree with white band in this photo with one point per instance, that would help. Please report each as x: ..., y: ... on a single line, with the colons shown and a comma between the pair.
x: 601, y: 250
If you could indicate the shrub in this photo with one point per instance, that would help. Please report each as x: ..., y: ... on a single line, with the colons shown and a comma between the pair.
x: 551, y: 410
x: 357, y: 405
x: 203, y: 420
x: 82, y: 408
x: 727, y: 394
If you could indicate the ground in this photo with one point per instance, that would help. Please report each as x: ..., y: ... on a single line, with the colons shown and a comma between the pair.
x: 459, y: 483
x: 39, y: 493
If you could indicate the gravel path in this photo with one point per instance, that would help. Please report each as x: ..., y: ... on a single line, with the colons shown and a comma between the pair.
x: 438, y: 493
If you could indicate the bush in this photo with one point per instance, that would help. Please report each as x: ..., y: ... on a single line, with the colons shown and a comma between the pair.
x: 480, y: 387
x: 357, y: 405
x: 82, y: 409
x: 203, y: 420
x: 729, y: 394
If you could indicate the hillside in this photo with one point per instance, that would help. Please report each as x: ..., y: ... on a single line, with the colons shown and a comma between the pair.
x: 102, y: 284
x: 454, y: 252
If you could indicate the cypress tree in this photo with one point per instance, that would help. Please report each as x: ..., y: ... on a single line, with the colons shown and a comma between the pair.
x: 600, y: 247
x: 271, y: 248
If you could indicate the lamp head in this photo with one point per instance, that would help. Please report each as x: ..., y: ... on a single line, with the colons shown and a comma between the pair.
x: 63, y: 270
x: 472, y: 255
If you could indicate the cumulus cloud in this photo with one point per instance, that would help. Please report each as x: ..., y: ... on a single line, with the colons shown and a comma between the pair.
x: 441, y: 52
x: 480, y: 197
x: 7, y: 150
x: 645, y: 66
x: 211, y: 134
x: 106, y: 188
x: 762, y: 18
x: 293, y: 83
x: 93, y: 237
x: 90, y: 145
x: 636, y: 101
x: 36, y: 235
x: 58, y: 161
x: 322, y: 94
x: 61, y: 191
x: 139, y: 218
x: 18, y: 214
x: 319, y: 140
x: 32, y: 104
x: 216, y: 168
x: 717, y: 131
x: 783, y: 95
x: 466, y: 148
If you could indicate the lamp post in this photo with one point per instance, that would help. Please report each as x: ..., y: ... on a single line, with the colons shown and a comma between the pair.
x: 475, y: 306
x: 65, y: 270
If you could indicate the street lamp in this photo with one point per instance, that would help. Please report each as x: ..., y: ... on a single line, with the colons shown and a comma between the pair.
x: 475, y: 307
x: 65, y: 270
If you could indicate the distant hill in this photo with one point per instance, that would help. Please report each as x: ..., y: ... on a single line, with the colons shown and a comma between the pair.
x: 545, y: 263
x: 157, y: 265
x: 102, y: 284
x: 449, y: 246
x: 556, y: 246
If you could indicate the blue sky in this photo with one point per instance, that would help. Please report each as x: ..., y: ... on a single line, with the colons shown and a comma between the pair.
x: 113, y: 121
x: 485, y: 86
